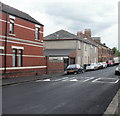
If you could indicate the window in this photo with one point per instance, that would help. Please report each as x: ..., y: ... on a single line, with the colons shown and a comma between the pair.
x: 1, y: 50
x: 20, y: 57
x: 95, y: 49
x: 79, y: 47
x: 11, y: 26
x: 85, y: 47
x: 91, y: 46
x: 37, y: 33
x: 14, y: 57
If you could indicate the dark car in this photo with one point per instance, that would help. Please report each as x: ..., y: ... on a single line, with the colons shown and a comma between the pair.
x: 117, y: 70
x: 75, y: 68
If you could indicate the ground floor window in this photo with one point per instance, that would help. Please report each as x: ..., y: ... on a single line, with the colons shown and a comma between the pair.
x: 20, y: 57
x: 17, y: 57
x: 14, y: 57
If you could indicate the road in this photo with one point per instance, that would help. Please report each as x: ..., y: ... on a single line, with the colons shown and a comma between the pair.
x: 87, y: 93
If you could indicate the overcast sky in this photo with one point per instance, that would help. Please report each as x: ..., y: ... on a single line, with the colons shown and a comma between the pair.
x: 101, y: 16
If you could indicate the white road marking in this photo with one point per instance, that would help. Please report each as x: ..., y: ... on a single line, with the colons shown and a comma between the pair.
x: 96, y: 79
x: 88, y: 79
x: 60, y: 79
x: 68, y: 79
x: 43, y: 80
x: 101, y: 80
x: 38, y: 80
x: 117, y: 81
x: 46, y: 80
x: 74, y: 80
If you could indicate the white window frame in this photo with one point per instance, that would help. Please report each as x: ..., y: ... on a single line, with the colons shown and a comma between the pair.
x: 95, y: 49
x: 20, y: 51
x: 14, y: 59
x: 37, y: 30
x: 11, y: 28
x: 79, y: 45
x: 85, y: 46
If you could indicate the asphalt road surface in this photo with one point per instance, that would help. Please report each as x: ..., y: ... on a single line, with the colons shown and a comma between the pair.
x: 87, y: 93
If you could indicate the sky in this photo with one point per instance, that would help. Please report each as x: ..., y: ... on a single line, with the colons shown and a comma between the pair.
x: 101, y: 16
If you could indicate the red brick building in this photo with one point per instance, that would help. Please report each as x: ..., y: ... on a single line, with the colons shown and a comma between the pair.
x: 21, y: 43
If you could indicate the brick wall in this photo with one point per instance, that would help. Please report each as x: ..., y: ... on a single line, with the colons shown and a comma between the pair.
x: 24, y: 36
x: 54, y: 67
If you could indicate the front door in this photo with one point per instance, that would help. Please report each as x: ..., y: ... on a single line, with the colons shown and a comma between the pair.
x: 66, y: 63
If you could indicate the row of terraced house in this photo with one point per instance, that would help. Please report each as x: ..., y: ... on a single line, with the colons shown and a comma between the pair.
x: 24, y: 51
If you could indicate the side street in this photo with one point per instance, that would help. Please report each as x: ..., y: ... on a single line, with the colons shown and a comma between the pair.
x: 61, y: 73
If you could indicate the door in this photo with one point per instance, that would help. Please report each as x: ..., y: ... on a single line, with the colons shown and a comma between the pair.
x: 66, y: 63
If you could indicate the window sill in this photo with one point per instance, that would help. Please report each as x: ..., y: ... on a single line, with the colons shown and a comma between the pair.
x: 37, y: 39
x: 11, y: 34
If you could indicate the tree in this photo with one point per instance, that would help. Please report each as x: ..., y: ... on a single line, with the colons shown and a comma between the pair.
x: 116, y: 52
x: 114, y: 49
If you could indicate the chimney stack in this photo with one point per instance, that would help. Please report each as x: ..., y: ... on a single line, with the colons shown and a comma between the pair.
x: 80, y: 34
x: 97, y: 39
x: 87, y: 33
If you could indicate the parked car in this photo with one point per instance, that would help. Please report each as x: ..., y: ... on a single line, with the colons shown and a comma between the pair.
x: 92, y: 66
x: 117, y: 70
x: 74, y: 68
x: 109, y: 63
x: 100, y: 65
x: 104, y: 64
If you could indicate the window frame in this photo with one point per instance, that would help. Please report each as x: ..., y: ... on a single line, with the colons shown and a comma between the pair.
x: 20, y: 58
x: 11, y: 26
x: 14, y: 57
x: 79, y: 45
x: 37, y: 29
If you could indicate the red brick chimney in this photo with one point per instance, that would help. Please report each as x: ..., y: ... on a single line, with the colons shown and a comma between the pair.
x: 80, y: 34
x: 87, y: 33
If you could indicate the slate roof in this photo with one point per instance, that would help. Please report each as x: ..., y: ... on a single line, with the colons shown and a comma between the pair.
x: 17, y: 13
x: 58, y: 52
x: 98, y: 38
x: 64, y: 35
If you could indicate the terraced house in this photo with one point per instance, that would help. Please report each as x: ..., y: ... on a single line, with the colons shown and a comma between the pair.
x: 67, y: 48
x: 21, y: 43
x: 104, y: 53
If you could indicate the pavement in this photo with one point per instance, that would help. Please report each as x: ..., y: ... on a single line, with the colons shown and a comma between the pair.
x: 11, y: 81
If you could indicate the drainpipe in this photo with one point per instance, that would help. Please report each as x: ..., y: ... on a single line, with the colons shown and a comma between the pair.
x: 5, y: 44
x: 47, y: 64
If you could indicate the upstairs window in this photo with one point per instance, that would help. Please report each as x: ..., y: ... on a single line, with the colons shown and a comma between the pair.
x: 85, y: 46
x: 79, y: 46
x: 37, y: 33
x: 1, y: 49
x: 12, y: 19
x: 12, y: 26
x: 37, y: 29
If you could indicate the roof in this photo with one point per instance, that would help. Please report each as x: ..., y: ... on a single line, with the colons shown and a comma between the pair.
x: 58, y: 52
x: 98, y: 38
x: 15, y: 12
x: 65, y: 35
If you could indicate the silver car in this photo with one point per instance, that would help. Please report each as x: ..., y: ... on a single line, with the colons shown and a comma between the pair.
x: 117, y: 70
x: 92, y: 66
